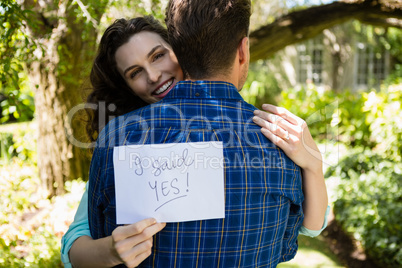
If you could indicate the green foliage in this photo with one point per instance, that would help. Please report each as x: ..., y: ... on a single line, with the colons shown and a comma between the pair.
x: 369, y: 204
x: 32, y: 225
x: 316, y: 107
x: 392, y: 41
x: 18, y: 105
x: 6, y: 143
x: 261, y: 85
x: 18, y: 140
x: 384, y: 116
x: 25, y: 241
x: 330, y: 115
x: 369, y: 201
x: 16, y: 100
x: 131, y: 9
x: 75, y: 57
x: 368, y: 119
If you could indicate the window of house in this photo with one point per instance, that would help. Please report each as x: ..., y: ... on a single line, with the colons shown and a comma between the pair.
x: 371, y: 66
x: 310, y: 61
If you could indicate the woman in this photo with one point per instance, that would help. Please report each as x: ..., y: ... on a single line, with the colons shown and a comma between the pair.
x: 136, y: 66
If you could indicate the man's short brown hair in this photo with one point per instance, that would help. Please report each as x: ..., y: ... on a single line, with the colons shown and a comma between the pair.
x: 205, y: 34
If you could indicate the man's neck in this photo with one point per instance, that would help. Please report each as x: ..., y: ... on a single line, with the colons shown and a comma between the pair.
x: 216, y: 78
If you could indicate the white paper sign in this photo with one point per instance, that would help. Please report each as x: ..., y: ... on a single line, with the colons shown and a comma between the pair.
x: 170, y: 182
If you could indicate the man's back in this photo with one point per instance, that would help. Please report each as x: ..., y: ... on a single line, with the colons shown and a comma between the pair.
x: 263, y: 194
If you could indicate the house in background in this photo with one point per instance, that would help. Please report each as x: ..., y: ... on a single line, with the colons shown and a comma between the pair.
x: 336, y: 59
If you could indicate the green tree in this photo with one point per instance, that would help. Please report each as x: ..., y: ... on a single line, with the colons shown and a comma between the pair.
x: 63, y: 34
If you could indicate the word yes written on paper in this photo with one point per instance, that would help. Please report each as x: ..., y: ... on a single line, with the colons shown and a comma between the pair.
x: 171, y: 189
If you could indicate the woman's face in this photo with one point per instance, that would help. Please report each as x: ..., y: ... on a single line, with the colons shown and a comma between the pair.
x: 149, y: 66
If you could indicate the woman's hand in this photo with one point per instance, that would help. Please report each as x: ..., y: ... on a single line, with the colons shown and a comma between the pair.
x: 291, y: 134
x: 133, y: 243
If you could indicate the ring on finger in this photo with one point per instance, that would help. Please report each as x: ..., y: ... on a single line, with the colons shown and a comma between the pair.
x: 287, y: 135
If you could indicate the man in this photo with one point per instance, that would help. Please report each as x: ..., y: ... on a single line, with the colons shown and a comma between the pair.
x: 263, y: 192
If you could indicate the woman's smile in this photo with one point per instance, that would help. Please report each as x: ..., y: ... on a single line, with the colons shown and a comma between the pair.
x: 164, y: 89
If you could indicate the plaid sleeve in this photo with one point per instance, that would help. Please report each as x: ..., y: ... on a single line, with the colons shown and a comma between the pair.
x: 95, y: 215
x: 290, y: 245
x: 295, y: 220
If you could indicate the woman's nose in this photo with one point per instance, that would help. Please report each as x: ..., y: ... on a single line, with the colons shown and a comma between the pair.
x: 153, y: 75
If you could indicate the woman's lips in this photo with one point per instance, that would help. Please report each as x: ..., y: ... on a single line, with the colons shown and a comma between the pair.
x: 163, y: 90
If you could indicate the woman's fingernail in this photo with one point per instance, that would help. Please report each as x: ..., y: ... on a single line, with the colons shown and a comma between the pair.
x: 256, y: 112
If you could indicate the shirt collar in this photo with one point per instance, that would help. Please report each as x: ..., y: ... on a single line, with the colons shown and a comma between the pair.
x: 204, y: 90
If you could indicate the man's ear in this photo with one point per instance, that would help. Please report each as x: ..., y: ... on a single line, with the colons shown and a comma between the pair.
x: 243, y: 50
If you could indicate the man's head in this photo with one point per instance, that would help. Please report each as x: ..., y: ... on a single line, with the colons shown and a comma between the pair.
x: 206, y: 35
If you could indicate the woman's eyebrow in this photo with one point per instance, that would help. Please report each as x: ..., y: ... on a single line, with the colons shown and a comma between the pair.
x: 148, y: 56
x: 153, y: 50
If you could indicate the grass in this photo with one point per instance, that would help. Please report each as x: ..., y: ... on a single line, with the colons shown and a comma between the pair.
x: 313, y: 253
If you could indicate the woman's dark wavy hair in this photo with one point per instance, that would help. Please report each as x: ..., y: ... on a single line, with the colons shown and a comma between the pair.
x: 110, y: 94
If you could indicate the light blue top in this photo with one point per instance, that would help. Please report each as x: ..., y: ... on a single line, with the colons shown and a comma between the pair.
x: 80, y: 227
x: 312, y: 233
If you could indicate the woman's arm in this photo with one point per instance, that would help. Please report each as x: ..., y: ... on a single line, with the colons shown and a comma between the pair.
x: 291, y: 134
x: 129, y: 244
x: 78, y: 228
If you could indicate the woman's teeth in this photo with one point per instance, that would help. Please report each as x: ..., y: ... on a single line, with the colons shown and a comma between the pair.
x: 163, y: 88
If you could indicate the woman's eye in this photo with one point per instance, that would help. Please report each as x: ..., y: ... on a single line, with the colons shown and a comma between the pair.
x: 133, y: 74
x: 159, y: 55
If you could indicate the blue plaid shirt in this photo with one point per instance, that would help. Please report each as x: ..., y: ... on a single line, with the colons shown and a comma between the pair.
x: 263, y: 190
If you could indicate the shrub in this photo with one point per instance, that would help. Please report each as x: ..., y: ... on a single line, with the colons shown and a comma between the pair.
x: 315, y: 106
x: 368, y: 119
x: 17, y: 107
x: 31, y: 226
x: 330, y: 115
x: 369, y: 204
x: 27, y: 239
x: 384, y: 116
x: 261, y: 86
x: 18, y: 140
x: 16, y: 96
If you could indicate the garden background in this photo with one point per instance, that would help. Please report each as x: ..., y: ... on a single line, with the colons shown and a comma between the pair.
x: 46, y: 50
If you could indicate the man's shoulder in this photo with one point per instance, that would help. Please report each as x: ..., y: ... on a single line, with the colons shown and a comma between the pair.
x: 120, y: 123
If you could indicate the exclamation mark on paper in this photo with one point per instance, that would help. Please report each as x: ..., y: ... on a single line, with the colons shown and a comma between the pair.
x: 188, y: 183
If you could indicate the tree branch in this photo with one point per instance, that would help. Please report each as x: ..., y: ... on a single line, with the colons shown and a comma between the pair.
x: 389, y: 22
x: 86, y: 13
x: 305, y: 24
